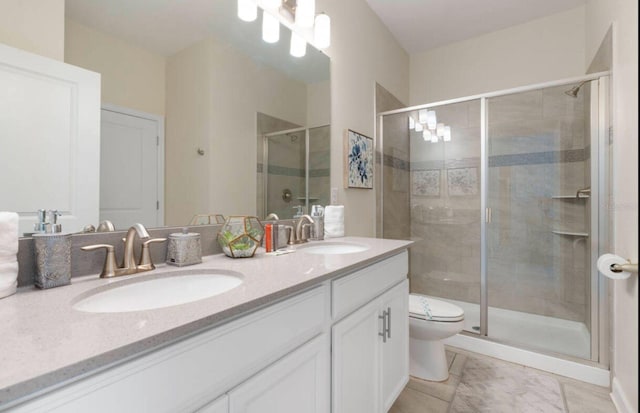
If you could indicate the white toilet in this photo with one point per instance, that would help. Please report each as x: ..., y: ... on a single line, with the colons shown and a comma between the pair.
x: 430, y: 322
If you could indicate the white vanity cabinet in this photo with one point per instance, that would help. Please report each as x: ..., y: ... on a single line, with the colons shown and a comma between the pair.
x: 370, y: 345
x: 340, y: 347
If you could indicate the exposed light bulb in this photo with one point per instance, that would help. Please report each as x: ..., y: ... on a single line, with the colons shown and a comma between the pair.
x: 447, y: 134
x: 270, y: 28
x: 431, y: 119
x: 247, y: 10
x: 322, y: 31
x: 440, y: 129
x: 305, y: 13
x: 422, y: 116
x: 426, y: 135
x: 419, y: 127
x: 412, y: 122
x: 298, y: 46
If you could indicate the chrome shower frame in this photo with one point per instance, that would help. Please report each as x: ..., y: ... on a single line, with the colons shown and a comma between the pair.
x: 601, y: 228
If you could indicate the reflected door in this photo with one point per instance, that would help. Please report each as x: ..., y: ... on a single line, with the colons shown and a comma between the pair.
x: 129, y: 170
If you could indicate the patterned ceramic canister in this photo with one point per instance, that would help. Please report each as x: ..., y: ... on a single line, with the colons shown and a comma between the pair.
x: 184, y: 249
x: 53, y: 260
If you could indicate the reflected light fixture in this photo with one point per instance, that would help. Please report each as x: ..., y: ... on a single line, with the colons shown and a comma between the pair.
x: 426, y: 135
x: 305, y: 13
x: 431, y: 119
x: 440, y: 129
x: 447, y: 134
x: 297, y: 15
x: 412, y: 122
x: 422, y: 116
x: 322, y: 31
x: 419, y: 127
x: 270, y: 28
x: 434, y: 138
x: 247, y: 10
x: 298, y: 47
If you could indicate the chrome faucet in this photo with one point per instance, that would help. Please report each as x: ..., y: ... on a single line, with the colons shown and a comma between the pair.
x: 271, y: 216
x: 129, y: 265
x: 300, y: 236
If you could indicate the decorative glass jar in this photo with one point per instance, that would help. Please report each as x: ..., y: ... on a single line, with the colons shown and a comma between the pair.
x: 240, y: 236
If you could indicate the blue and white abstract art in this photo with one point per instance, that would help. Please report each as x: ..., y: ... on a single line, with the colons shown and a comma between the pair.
x: 359, y: 160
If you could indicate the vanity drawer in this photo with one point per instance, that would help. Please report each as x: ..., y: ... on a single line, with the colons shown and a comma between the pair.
x: 189, y: 374
x: 360, y: 287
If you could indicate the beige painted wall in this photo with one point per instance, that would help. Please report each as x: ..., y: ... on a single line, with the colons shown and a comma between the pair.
x: 318, y: 104
x: 545, y: 49
x: 600, y: 14
x: 131, y: 76
x: 213, y: 95
x: 33, y: 25
x: 363, y: 52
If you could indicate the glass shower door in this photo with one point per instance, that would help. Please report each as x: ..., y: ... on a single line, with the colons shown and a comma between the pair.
x: 539, y: 226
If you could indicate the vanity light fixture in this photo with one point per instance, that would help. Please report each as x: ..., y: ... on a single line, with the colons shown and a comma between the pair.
x: 419, y: 127
x: 426, y: 135
x: 297, y: 15
x: 440, y: 129
x: 431, y: 119
x: 247, y: 10
x: 270, y: 28
x: 422, y: 116
x: 298, y: 45
x: 412, y: 122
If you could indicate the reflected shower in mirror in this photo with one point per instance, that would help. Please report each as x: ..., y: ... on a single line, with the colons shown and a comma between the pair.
x: 183, y: 86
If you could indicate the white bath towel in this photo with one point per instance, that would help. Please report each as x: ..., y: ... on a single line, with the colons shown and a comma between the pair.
x: 334, y: 221
x: 8, y: 278
x: 8, y: 235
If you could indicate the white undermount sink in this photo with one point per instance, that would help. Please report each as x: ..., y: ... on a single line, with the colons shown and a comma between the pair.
x: 163, y: 290
x: 331, y: 248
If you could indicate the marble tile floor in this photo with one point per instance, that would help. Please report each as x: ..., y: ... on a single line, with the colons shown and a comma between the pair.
x: 478, y: 383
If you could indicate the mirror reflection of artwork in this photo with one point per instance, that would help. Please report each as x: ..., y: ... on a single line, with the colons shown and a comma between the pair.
x: 359, y: 168
x: 462, y: 181
x: 426, y: 183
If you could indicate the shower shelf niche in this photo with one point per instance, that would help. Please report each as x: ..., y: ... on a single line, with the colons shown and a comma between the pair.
x: 570, y: 233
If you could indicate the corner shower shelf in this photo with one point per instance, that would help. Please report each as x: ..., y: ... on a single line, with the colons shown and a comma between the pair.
x: 570, y: 197
x: 571, y: 233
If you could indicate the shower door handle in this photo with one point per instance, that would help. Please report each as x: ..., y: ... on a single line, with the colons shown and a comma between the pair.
x: 487, y: 215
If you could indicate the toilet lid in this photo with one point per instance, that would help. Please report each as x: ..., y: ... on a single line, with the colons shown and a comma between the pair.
x: 429, y: 308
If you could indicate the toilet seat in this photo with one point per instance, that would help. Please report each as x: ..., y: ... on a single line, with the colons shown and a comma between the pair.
x: 431, y: 309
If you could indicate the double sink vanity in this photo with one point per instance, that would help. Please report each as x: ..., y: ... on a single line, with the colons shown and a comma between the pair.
x: 321, y: 329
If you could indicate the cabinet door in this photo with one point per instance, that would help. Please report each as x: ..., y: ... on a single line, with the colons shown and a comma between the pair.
x: 296, y: 383
x: 395, y: 351
x: 355, y: 361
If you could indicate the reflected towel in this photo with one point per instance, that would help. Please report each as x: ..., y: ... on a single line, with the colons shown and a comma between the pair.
x: 334, y: 221
x: 8, y: 236
x: 8, y: 278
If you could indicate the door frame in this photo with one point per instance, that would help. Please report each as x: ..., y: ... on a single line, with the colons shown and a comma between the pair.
x: 159, y: 120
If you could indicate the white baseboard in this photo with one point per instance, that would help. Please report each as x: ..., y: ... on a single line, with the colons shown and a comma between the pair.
x: 620, y: 400
x: 572, y: 369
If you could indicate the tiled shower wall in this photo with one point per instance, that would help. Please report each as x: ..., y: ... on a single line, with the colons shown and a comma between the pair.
x: 538, y: 149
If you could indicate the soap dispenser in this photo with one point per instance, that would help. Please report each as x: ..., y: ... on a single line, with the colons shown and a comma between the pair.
x: 52, y: 251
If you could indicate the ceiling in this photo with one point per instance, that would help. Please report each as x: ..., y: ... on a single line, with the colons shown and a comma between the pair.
x: 420, y: 25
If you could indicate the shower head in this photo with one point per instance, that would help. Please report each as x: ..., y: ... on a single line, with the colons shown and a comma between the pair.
x: 573, y: 92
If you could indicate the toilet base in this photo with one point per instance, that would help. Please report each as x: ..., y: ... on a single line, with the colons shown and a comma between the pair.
x: 427, y: 360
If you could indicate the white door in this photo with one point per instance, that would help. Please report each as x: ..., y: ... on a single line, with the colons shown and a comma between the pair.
x: 395, y: 351
x: 298, y: 383
x: 129, y: 170
x: 356, y: 361
x: 49, y: 141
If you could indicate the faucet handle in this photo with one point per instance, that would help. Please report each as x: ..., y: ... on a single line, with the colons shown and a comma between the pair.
x: 145, y: 257
x: 109, y: 268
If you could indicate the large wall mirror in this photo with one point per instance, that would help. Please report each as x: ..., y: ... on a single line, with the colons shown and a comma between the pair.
x: 219, y: 96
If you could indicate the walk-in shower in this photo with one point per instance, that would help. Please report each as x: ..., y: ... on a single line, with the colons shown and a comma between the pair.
x: 507, y: 195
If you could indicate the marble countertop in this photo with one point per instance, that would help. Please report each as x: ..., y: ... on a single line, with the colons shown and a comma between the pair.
x: 45, y: 343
